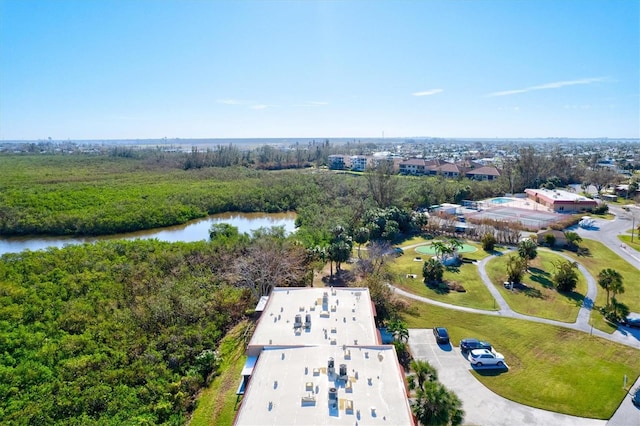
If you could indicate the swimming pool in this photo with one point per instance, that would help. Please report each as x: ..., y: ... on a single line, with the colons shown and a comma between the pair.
x: 501, y: 200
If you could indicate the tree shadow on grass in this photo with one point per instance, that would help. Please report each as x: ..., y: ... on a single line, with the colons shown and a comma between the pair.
x: 453, y: 268
x: 575, y: 297
x: 538, y: 271
x: 533, y: 292
x: 542, y: 280
x: 439, y: 288
x: 583, y: 252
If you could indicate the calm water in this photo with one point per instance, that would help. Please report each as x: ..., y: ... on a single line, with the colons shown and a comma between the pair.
x: 195, y: 230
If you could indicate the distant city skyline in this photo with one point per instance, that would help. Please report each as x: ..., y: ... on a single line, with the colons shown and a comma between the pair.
x: 101, y: 70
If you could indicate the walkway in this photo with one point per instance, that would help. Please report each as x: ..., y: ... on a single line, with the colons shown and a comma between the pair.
x: 606, y: 232
x: 581, y: 323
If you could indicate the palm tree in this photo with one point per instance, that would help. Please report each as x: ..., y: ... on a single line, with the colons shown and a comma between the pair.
x: 572, y: 238
x: 432, y: 271
x: 610, y: 279
x: 399, y: 329
x: 435, y: 405
x: 439, y: 247
x: 528, y: 250
x: 455, y: 244
x: 423, y: 372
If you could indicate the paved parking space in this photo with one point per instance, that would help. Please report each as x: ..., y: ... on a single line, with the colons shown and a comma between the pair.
x: 482, y: 406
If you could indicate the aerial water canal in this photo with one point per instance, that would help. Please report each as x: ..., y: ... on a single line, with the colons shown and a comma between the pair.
x: 195, y: 230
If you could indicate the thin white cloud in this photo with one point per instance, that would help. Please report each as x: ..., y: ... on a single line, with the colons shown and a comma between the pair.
x: 428, y: 92
x: 260, y: 106
x: 553, y: 85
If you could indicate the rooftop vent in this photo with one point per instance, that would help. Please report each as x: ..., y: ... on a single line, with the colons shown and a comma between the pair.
x: 343, y: 372
x: 298, y: 322
x: 333, y: 397
x: 307, y: 321
x: 331, y: 367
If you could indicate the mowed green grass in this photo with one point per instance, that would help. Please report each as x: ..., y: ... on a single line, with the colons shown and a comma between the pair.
x: 599, y: 258
x: 541, y: 299
x: 476, y: 296
x: 550, y: 367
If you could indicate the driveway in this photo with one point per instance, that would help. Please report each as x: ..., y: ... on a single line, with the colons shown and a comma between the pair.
x: 482, y: 406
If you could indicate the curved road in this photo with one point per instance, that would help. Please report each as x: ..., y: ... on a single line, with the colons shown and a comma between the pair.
x: 606, y: 232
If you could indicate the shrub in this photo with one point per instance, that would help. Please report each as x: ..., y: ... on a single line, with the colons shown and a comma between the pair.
x: 549, y: 240
x: 432, y: 270
x: 488, y: 242
x: 601, y: 209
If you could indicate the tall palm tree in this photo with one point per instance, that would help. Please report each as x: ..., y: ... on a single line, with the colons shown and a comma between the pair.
x: 610, y: 279
x: 439, y: 247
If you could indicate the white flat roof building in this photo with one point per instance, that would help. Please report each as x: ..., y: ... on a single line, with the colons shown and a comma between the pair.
x: 320, y: 362
x: 315, y: 316
x: 298, y: 386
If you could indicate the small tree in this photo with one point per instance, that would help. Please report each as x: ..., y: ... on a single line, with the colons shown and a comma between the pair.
x: 439, y: 248
x: 488, y: 242
x: 399, y: 330
x: 432, y: 270
x: 566, y: 277
x: 610, y: 279
x: 361, y: 236
x: 516, y: 267
x: 572, y: 239
x: 423, y: 372
x: 527, y: 250
x: 549, y: 240
x: 436, y: 405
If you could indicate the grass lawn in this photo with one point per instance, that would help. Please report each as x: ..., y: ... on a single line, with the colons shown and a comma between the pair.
x: 551, y: 368
x: 476, y: 296
x: 217, y: 403
x: 414, y: 240
x: 627, y: 240
x: 599, y: 258
x: 540, y: 299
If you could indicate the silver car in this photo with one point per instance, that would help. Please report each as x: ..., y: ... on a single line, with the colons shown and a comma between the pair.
x: 480, y: 357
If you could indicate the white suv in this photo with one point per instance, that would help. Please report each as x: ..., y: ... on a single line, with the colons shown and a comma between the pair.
x: 480, y: 357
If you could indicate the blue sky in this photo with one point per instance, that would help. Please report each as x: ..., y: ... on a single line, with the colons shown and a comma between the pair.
x: 246, y: 69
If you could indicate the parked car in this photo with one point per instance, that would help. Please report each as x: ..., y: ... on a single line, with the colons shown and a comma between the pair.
x: 398, y: 251
x: 635, y: 397
x: 442, y: 336
x: 470, y: 344
x: 631, y: 322
x: 480, y: 357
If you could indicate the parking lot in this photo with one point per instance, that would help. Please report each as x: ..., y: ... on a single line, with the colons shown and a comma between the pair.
x: 481, y: 406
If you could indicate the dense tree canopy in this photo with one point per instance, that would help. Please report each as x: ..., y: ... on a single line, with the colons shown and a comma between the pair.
x: 114, y: 332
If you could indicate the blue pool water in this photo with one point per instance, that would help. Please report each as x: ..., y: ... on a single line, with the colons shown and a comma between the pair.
x: 501, y: 200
